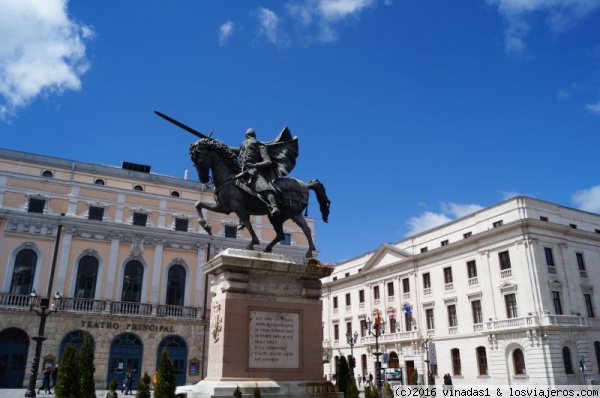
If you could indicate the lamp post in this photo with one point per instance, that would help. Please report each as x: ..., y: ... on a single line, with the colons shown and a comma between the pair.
x: 351, y: 341
x: 376, y: 329
x: 43, y: 313
x: 427, y: 361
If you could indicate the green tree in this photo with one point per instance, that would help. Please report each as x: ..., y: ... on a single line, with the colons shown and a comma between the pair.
x: 415, y: 378
x: 237, y: 393
x: 387, y: 390
x: 352, y: 390
x: 166, y: 384
x: 67, y: 372
x: 87, y: 369
x: 371, y: 392
x: 342, y: 376
x: 113, y: 389
x: 143, y: 390
x: 256, y: 391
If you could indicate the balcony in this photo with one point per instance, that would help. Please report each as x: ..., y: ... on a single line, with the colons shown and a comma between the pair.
x: 563, y: 320
x: 427, y: 291
x: 511, y: 323
x: 406, y: 296
x: 390, y: 337
x: 473, y: 281
x: 449, y: 286
x: 505, y: 273
x: 104, y: 307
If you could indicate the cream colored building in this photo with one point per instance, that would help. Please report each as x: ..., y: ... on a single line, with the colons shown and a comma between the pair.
x: 121, y: 250
x: 503, y: 296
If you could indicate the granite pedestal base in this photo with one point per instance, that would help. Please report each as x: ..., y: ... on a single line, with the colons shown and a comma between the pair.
x: 265, y: 327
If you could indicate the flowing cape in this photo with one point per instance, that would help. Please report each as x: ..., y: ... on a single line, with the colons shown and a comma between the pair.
x: 283, y: 151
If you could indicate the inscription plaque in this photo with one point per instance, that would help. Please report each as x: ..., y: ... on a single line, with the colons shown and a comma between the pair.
x: 274, y: 340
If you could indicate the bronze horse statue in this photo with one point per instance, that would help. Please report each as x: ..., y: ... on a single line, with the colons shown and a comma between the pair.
x: 210, y: 155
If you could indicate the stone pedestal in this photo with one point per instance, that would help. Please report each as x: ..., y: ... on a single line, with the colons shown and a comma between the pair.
x: 265, y: 327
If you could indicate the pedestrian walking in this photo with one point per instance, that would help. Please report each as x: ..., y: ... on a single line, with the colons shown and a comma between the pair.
x: 46, y: 375
x: 54, y: 376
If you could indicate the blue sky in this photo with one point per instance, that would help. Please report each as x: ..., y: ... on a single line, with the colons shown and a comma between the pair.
x: 411, y: 112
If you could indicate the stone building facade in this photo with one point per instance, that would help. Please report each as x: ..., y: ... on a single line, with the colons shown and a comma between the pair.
x: 117, y: 252
x: 503, y: 296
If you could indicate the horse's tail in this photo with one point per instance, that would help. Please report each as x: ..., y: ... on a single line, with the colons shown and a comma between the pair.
x: 324, y: 201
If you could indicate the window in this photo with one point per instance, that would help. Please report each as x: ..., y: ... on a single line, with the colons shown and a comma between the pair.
x: 448, y: 275
x: 140, y: 219
x: 363, y: 328
x: 588, y: 305
x: 504, y: 258
x: 287, y: 239
x: 392, y: 323
x: 482, y: 361
x: 426, y: 280
x: 471, y: 269
x: 47, y: 174
x: 96, y: 213
x: 132, y: 281
x: 390, y: 289
x: 348, y: 299
x: 511, y: 305
x: 347, y: 274
x: 231, y: 231
x: 335, y: 278
x: 519, y: 361
x: 361, y: 296
x: 348, y: 327
x: 176, y: 285
x: 497, y: 224
x: 36, y: 205
x: 138, y: 188
x: 87, y: 274
x: 175, y: 194
x: 452, y: 320
x: 549, y: 257
x: 556, y: 302
x: 580, y: 262
x: 597, y: 231
x: 456, y: 368
x: 566, y: 354
x: 429, y: 317
x: 467, y: 235
x: 376, y: 292
x: 181, y: 224
x: 423, y: 249
x: 477, y: 313
x: 542, y: 218
x: 407, y: 321
x: 574, y: 226
x: 405, y: 285
x: 335, y: 303
x: 444, y: 242
x: 99, y: 181
x: 597, y: 350
x: 23, y: 272
x: 336, y: 332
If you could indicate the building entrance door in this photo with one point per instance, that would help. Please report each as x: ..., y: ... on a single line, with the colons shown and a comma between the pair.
x: 126, y: 353
x: 14, y: 344
x: 410, y: 367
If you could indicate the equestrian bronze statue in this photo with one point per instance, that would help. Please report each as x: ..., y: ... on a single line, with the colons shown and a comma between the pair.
x: 251, y: 180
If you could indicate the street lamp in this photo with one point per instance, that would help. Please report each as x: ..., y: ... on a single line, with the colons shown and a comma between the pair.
x: 428, y: 360
x: 376, y: 329
x: 43, y: 312
x: 351, y: 341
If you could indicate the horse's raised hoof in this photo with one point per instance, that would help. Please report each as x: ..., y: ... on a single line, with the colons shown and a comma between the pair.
x: 309, y: 254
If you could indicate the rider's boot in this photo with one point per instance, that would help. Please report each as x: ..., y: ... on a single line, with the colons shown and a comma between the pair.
x: 272, y: 203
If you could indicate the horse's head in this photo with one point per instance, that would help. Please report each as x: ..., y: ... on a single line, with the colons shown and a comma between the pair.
x: 208, y: 153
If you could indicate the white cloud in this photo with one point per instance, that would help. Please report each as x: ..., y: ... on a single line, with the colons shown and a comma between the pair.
x: 42, y: 51
x: 324, y: 15
x: 594, y: 108
x: 450, y: 211
x: 559, y: 15
x: 588, y: 199
x: 225, y: 32
x: 426, y: 221
x: 270, y: 27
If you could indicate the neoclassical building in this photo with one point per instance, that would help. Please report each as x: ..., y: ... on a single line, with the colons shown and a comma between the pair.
x: 117, y: 252
x: 503, y: 296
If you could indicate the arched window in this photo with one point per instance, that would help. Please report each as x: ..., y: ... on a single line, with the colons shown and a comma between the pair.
x: 76, y: 338
x: 176, y: 285
x: 456, y: 368
x: 132, y: 281
x: 87, y: 273
x: 519, y: 361
x: 23, y: 272
x: 566, y: 354
x: 482, y: 361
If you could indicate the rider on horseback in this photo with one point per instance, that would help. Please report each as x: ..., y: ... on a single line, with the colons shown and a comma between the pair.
x: 263, y: 163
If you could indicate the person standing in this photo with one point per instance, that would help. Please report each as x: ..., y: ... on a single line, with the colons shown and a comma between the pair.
x: 46, y: 374
x: 129, y: 381
x: 54, y: 376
